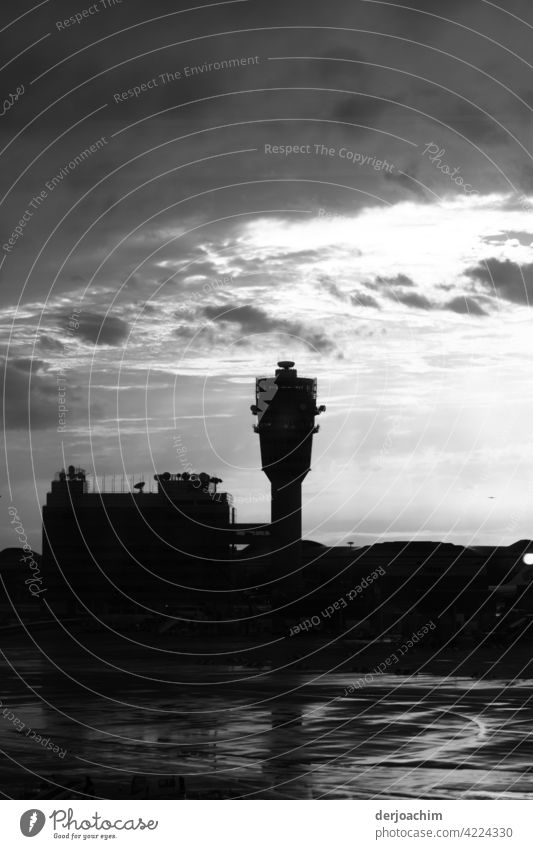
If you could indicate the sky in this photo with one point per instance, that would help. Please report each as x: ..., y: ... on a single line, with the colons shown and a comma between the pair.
x: 193, y: 192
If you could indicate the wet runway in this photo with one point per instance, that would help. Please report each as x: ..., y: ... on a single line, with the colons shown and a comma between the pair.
x: 231, y: 732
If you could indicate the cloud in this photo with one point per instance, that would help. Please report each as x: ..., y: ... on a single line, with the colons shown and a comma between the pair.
x: 523, y: 237
x: 99, y: 329
x: 397, y: 280
x: 465, y: 305
x: 361, y: 299
x: 331, y: 288
x: 27, y: 364
x: 30, y: 395
x: 184, y: 331
x: 412, y: 299
x: 406, y: 181
x: 50, y: 345
x: 363, y: 110
x: 251, y: 320
x: 469, y: 120
x: 396, y: 291
x: 507, y: 279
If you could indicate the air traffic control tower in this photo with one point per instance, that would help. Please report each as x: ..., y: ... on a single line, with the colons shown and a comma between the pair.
x: 286, y: 408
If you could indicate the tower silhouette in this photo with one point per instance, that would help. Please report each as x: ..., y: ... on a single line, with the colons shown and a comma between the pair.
x: 286, y: 408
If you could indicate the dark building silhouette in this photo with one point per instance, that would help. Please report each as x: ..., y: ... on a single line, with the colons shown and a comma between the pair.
x: 286, y: 408
x: 148, y: 546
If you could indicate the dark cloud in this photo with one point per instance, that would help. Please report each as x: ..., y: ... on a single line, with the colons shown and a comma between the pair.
x: 506, y: 279
x: 131, y: 55
x: 406, y: 181
x: 318, y: 342
x: 412, y: 299
x: 98, y: 329
x: 521, y: 236
x: 362, y: 299
x: 465, y: 305
x: 184, y: 331
x: 30, y: 395
x: 394, y: 288
x: 50, y: 345
x: 468, y: 119
x: 185, y: 311
x: 27, y: 364
x: 397, y: 280
x: 297, y: 255
x: 331, y: 288
x: 251, y: 320
x: 359, y: 110
x: 336, y: 61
